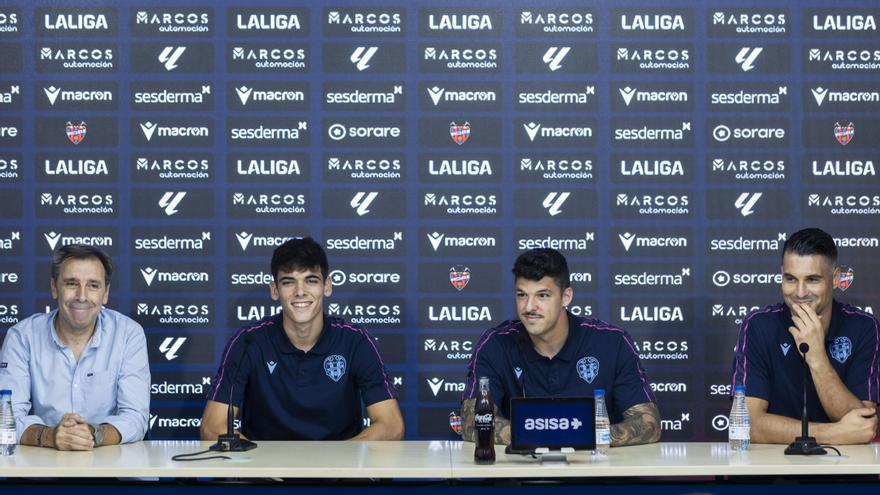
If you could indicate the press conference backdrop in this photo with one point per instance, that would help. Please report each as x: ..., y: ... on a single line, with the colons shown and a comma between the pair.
x: 665, y: 149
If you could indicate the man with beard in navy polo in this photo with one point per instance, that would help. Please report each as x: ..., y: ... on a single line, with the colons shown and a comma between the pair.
x: 549, y: 352
x: 842, y: 357
x: 301, y: 375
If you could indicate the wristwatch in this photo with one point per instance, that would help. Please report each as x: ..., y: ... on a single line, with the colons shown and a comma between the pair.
x: 98, y: 434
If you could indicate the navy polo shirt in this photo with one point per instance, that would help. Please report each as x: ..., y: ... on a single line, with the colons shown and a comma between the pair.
x: 595, y: 355
x: 768, y: 363
x: 286, y: 394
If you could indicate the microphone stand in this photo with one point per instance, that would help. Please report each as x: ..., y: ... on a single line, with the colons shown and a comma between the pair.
x: 804, y: 444
x: 231, y: 441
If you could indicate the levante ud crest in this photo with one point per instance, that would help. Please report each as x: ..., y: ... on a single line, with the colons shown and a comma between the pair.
x: 334, y: 367
x: 76, y: 132
x: 459, y: 133
x: 459, y: 276
x: 844, y: 134
x: 588, y: 368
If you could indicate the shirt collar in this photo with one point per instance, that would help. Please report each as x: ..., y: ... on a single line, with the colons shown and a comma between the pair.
x: 321, y: 346
x: 527, y: 348
x: 97, y: 336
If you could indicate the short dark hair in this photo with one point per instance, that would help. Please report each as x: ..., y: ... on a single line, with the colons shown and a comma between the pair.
x: 809, y: 242
x: 299, y: 254
x: 538, y: 263
x: 81, y: 252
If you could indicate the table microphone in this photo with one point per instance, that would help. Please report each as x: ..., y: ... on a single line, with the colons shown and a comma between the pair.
x: 231, y: 441
x: 804, y: 444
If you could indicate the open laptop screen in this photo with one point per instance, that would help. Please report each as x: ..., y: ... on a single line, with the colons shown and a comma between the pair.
x: 551, y: 422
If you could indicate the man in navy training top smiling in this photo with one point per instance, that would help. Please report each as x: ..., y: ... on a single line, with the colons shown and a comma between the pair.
x: 842, y: 357
x: 549, y: 352
x: 301, y: 375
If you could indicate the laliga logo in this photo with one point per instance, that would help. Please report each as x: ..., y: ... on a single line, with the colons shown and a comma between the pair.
x: 844, y: 134
x: 554, y: 55
x: 459, y: 276
x: 362, y: 55
x: 77, y: 133
x: 746, y: 57
x: 170, y: 55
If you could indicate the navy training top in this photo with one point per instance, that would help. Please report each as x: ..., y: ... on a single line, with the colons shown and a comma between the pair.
x: 596, y: 355
x: 286, y: 394
x: 768, y: 363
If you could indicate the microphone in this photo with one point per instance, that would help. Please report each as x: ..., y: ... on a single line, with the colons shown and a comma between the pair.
x: 231, y: 441
x: 804, y: 444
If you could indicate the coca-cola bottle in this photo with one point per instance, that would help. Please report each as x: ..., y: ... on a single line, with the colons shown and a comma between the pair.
x: 484, y: 424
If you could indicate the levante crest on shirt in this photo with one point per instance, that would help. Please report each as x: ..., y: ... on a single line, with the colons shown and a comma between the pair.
x: 841, y: 349
x: 76, y: 132
x: 844, y: 134
x: 588, y: 368
x: 334, y: 367
x: 459, y: 276
x: 459, y: 133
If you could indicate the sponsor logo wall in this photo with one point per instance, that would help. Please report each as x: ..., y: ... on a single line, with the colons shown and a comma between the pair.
x: 666, y: 150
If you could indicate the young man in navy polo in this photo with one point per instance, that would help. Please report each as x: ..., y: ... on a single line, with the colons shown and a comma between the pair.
x: 842, y: 357
x: 549, y: 352
x: 300, y: 375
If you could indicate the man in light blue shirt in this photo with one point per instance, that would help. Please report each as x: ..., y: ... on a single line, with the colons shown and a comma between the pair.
x: 79, y: 375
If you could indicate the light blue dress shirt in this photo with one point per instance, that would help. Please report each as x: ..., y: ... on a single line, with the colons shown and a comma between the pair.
x: 109, y: 384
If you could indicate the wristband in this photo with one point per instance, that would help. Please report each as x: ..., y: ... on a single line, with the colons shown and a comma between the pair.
x: 98, y: 434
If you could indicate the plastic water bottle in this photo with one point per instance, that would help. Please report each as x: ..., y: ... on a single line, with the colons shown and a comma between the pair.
x: 603, y: 423
x: 7, y: 423
x: 739, y: 427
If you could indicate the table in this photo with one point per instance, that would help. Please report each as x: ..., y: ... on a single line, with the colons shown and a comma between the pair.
x: 438, y: 466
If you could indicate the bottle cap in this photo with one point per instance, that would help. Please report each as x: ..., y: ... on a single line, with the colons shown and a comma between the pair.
x: 5, y: 391
x: 739, y: 388
x: 599, y: 391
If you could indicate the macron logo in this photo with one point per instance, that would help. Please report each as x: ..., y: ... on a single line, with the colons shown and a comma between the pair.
x: 785, y: 347
x: 362, y: 56
x: 52, y: 93
x: 554, y: 55
x: 244, y: 94
x: 532, y: 130
x: 435, y: 239
x: 244, y: 239
x: 153, y: 418
x: 436, y: 93
x: 627, y: 93
x: 148, y: 128
x: 435, y: 384
x: 518, y: 371
x: 271, y: 365
x: 170, y: 55
x: 149, y: 274
x: 52, y: 238
x: 819, y: 94
x: 627, y: 240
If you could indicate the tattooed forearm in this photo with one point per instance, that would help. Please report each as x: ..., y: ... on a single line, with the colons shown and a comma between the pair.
x: 469, y: 433
x: 641, y: 424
